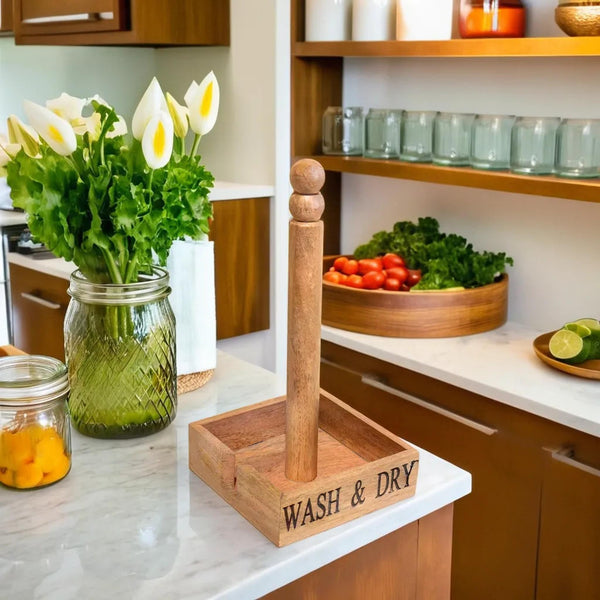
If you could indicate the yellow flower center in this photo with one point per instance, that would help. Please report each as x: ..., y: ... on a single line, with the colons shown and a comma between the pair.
x: 55, y: 134
x: 159, y: 139
x: 207, y: 100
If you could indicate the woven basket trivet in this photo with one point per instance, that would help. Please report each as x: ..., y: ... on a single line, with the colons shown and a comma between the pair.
x: 193, y: 381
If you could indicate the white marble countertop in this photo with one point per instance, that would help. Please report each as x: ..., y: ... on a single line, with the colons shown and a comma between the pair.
x: 499, y: 364
x: 131, y: 521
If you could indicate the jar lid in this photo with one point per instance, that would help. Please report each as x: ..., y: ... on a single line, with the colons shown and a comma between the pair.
x: 31, y: 379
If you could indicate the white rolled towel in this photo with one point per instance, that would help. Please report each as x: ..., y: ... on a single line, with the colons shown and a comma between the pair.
x: 191, y: 269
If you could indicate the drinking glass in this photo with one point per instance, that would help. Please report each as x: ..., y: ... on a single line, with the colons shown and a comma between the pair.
x: 416, y: 135
x: 382, y: 133
x: 578, y: 148
x: 343, y: 130
x: 490, y: 141
x: 533, y: 145
x: 452, y: 138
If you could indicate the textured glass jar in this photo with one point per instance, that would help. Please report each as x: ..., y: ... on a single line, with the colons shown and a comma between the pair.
x: 35, y: 433
x: 342, y: 132
x: 120, y: 353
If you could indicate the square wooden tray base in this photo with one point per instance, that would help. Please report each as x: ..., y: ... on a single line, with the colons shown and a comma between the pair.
x: 361, y: 467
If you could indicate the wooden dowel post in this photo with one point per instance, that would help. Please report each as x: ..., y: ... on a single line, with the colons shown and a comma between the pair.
x: 304, y: 320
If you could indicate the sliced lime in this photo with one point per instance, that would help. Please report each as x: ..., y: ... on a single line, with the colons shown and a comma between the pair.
x: 592, y: 324
x: 578, y: 328
x: 569, y: 346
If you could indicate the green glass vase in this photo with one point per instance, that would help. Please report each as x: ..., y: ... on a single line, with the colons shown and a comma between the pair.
x: 120, y: 355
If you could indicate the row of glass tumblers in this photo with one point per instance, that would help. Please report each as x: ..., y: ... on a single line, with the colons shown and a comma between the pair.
x: 530, y: 145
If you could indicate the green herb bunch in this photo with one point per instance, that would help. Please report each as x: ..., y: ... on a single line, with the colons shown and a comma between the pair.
x: 111, y: 204
x: 445, y: 260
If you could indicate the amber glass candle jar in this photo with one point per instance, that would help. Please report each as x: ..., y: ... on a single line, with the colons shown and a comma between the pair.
x: 491, y: 18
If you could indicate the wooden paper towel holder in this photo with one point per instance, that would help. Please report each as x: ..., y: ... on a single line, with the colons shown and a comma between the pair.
x: 299, y: 464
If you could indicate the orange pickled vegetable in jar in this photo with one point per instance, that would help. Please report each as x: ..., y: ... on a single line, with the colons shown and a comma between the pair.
x: 491, y: 18
x: 35, y: 430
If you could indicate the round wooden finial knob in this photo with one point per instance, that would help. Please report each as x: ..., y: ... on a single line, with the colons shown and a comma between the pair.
x: 307, y: 176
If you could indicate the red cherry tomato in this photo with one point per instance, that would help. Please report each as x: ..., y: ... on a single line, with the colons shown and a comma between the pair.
x: 404, y: 288
x: 391, y: 284
x: 414, y: 276
x: 350, y: 267
x: 368, y: 264
x: 355, y: 281
x: 373, y: 280
x: 391, y: 260
x: 339, y: 262
x: 399, y: 273
x: 333, y: 277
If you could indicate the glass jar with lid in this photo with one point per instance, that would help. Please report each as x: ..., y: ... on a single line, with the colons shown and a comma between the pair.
x: 491, y: 18
x: 35, y: 433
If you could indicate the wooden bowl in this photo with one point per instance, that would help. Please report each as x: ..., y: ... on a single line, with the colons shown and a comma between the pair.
x: 415, y: 314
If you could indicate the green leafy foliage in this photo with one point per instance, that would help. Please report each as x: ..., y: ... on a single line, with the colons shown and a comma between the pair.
x: 445, y: 260
x: 104, y: 209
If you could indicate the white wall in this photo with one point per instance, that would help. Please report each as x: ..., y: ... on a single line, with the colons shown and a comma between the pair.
x: 38, y: 73
x: 554, y: 242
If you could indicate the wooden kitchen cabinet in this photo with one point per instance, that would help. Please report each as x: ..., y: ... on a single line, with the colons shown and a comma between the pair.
x: 122, y: 22
x: 6, y: 20
x: 240, y: 233
x: 529, y: 528
x: 39, y: 303
x: 242, y: 288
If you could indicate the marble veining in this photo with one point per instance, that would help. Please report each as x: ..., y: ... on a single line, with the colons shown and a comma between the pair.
x: 130, y: 521
x: 499, y: 364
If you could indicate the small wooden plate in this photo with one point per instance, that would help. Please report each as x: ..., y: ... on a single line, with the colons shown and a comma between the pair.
x: 589, y: 369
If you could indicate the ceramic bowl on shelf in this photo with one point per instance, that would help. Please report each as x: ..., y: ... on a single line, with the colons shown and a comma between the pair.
x: 578, y: 18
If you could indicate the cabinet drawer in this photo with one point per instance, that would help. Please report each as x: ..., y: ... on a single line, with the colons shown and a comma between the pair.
x: 39, y: 304
x: 43, y: 17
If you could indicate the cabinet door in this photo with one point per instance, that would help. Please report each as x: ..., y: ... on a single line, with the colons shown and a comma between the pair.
x: 569, y: 548
x: 496, y: 526
x: 240, y: 231
x: 6, y: 18
x: 46, y: 17
x: 122, y: 22
x: 39, y: 304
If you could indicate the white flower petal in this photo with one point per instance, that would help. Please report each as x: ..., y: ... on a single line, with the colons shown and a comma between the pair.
x: 157, y: 141
x: 67, y: 107
x: 54, y: 130
x: 151, y: 103
x: 119, y: 128
x: 204, y: 106
x: 189, y: 95
x: 23, y: 135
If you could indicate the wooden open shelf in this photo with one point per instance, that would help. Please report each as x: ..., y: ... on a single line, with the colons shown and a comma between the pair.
x: 547, y: 46
x: 317, y: 76
x: 587, y: 190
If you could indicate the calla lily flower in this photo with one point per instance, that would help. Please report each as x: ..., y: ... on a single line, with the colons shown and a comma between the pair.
x: 7, y: 150
x: 157, y: 141
x: 23, y: 135
x: 203, y: 104
x: 66, y: 106
x: 151, y: 103
x: 179, y: 114
x: 54, y: 130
